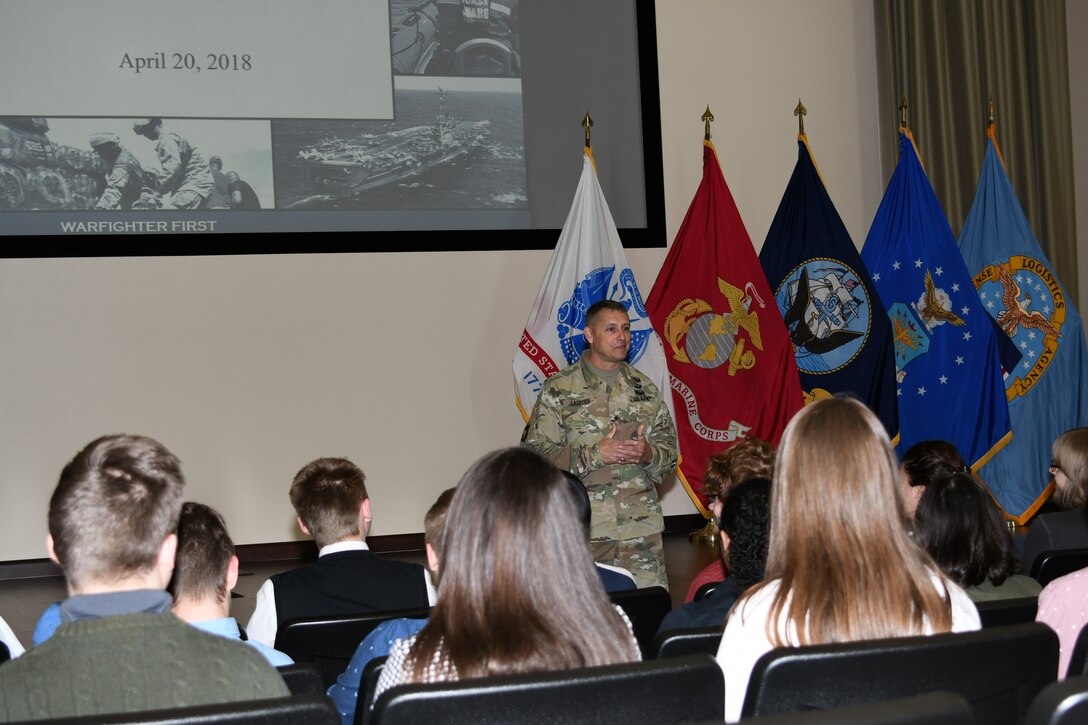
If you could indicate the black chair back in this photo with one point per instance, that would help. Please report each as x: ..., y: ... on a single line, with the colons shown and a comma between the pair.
x: 704, y: 591
x: 302, y: 677
x: 1078, y: 660
x: 692, y: 641
x: 998, y: 671
x: 645, y: 608
x: 1061, y: 703
x: 368, y: 685
x: 1052, y: 564
x: 934, y: 708
x: 310, y: 709
x: 1003, y: 612
x: 676, y: 690
x: 330, y: 642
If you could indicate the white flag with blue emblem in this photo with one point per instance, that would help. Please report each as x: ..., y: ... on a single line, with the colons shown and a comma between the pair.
x: 588, y: 265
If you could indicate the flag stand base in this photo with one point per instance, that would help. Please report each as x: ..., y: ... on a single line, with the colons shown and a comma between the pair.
x: 707, y: 534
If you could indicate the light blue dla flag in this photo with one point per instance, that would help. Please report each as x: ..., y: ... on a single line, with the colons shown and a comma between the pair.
x: 1047, y: 391
x: 948, y: 368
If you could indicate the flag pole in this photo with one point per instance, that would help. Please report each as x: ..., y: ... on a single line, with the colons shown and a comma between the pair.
x: 800, y: 111
x: 709, y: 532
x: 587, y: 123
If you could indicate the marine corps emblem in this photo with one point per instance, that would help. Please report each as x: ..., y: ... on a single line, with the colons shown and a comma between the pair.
x: 703, y: 337
x: 600, y: 284
x: 1024, y: 296
x: 827, y: 312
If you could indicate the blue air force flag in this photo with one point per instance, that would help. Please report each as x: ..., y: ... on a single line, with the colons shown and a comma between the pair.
x: 1047, y: 391
x: 588, y: 265
x: 947, y: 363
x: 840, y: 333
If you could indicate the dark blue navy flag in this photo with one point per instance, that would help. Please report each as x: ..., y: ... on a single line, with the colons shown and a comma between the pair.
x: 841, y: 336
x: 1047, y: 391
x: 948, y: 368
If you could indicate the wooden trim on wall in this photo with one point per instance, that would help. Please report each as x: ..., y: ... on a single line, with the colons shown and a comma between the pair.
x: 304, y: 549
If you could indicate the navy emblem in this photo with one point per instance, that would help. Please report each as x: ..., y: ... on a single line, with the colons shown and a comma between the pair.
x: 603, y: 283
x: 827, y: 312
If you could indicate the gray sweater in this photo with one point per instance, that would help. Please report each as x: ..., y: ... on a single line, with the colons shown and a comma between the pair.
x: 131, y: 662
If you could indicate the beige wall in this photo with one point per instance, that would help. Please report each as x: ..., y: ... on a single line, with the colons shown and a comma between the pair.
x: 248, y: 367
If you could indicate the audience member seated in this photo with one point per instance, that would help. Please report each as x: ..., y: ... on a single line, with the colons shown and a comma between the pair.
x: 379, y: 643
x: 749, y: 458
x: 519, y: 591
x: 205, y: 573
x: 112, y: 519
x: 613, y: 578
x: 1062, y: 608
x: 841, y: 565
x: 744, y: 522
x: 924, y: 463
x: 329, y: 496
x: 1067, y: 529
x: 962, y: 528
x: 7, y: 636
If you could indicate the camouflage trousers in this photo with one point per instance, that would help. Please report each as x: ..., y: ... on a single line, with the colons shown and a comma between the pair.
x: 644, y: 557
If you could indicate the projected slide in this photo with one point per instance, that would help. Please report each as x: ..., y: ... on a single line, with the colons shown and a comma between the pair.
x: 279, y: 116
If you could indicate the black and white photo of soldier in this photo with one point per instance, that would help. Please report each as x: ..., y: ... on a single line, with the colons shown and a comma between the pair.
x: 466, y: 38
x: 49, y: 164
x: 124, y: 175
x: 185, y: 178
x: 456, y: 144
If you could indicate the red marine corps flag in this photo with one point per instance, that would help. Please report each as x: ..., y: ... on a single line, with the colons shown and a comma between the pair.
x: 731, y: 364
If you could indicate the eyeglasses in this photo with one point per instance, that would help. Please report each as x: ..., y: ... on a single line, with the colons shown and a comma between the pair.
x: 1053, y: 468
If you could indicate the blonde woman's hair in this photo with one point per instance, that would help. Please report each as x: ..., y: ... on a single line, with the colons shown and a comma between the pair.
x: 1070, y: 454
x: 845, y: 565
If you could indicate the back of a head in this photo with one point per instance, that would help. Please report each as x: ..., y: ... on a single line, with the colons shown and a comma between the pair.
x: 203, y: 555
x: 837, y: 520
x: 327, y: 494
x: 434, y: 521
x: 927, y: 461
x: 746, y: 520
x: 580, y: 498
x: 519, y: 591
x: 749, y: 458
x: 1070, y: 454
x: 960, y: 526
x: 114, y: 505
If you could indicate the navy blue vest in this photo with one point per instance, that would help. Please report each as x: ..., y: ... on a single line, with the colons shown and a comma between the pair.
x: 348, y: 582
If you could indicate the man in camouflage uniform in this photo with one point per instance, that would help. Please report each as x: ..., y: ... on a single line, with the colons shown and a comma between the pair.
x: 184, y: 171
x: 608, y: 424
x: 124, y: 175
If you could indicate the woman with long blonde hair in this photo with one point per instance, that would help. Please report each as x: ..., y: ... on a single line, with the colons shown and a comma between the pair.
x: 519, y: 591
x: 841, y: 564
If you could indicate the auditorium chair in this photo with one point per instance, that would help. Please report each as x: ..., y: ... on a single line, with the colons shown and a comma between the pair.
x: 1052, y: 564
x: 675, y: 690
x: 368, y: 685
x: 330, y: 642
x: 645, y: 608
x: 1003, y: 612
x: 309, y: 709
x: 933, y: 708
x: 1060, y: 703
x: 302, y: 677
x: 998, y: 671
x: 687, y: 641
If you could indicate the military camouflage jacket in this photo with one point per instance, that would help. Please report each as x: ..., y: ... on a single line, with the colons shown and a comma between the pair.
x: 574, y: 412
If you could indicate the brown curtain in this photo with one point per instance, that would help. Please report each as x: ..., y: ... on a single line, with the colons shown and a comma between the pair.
x: 948, y: 58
